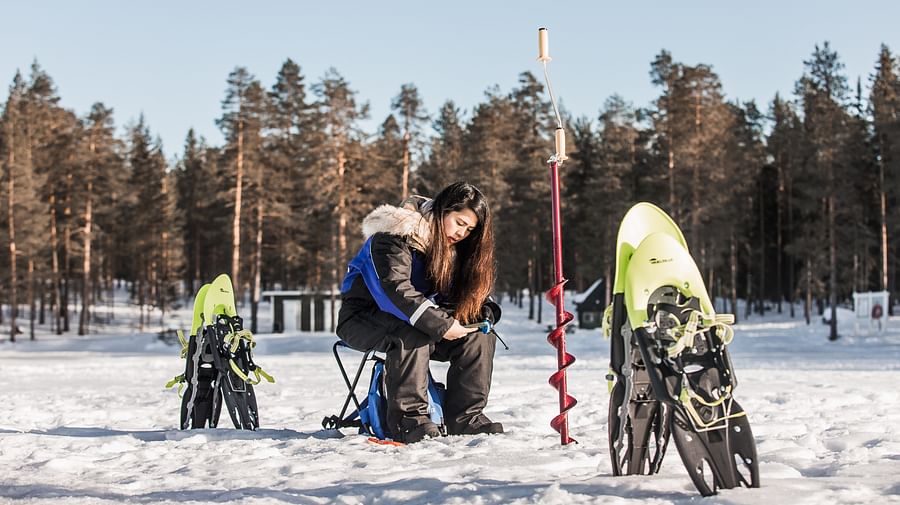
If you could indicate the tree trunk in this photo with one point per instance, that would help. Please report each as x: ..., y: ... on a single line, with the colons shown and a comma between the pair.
x: 13, y: 279
x: 531, y: 278
x: 257, y: 264
x: 67, y: 248
x: 732, y: 261
x: 749, y: 305
x: 404, y: 185
x: 671, y: 166
x: 761, y: 302
x: 163, y: 280
x: 807, y: 304
x: 86, y: 263
x: 342, y: 210
x: 236, y: 221
x: 54, y: 253
x: 779, y: 240
x: 539, y: 286
x: 832, y: 267
x: 792, y: 289
x: 30, y: 296
x: 139, y: 290
x: 882, y: 197
x: 334, y: 276
x: 112, y: 296
x: 197, y: 275
x: 42, y: 294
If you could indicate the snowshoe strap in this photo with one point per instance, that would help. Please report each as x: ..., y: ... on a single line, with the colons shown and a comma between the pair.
x: 233, y: 340
x: 607, y: 322
x: 184, y: 343
x: 259, y: 374
x: 698, y: 323
x: 686, y: 397
x: 180, y: 380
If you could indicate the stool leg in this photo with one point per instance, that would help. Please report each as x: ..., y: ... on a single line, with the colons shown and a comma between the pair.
x: 351, y: 386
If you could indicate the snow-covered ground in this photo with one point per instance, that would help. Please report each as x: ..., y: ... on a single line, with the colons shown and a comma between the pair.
x: 87, y: 420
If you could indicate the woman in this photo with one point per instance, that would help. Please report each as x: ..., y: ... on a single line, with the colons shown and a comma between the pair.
x: 425, y: 270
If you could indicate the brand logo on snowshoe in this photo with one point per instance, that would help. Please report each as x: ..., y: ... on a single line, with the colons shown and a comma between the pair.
x: 655, y: 261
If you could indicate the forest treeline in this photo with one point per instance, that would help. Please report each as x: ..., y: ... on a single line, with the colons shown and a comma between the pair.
x: 792, y: 200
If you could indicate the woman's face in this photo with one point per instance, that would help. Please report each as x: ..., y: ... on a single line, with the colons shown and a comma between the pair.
x: 458, y: 224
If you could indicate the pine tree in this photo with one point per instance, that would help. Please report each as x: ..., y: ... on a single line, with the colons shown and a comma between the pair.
x: 739, y: 213
x: 885, y: 113
x: 241, y: 123
x: 611, y: 193
x: 783, y: 144
x: 197, y: 196
x: 151, y: 208
x: 44, y: 138
x: 338, y: 116
x: 290, y: 157
x: 444, y: 165
x: 486, y: 141
x: 262, y: 189
x: 101, y: 160
x: 859, y: 206
x: 386, y: 155
x: 529, y: 186
x: 582, y: 169
x: 823, y: 89
x: 411, y: 113
x: 15, y: 140
x: 664, y: 72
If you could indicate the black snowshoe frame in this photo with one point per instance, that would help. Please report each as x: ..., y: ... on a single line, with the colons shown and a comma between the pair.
x: 638, y: 427
x: 216, y: 360
x: 686, y: 397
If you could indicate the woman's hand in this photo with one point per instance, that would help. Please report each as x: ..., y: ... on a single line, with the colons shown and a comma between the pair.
x: 457, y: 331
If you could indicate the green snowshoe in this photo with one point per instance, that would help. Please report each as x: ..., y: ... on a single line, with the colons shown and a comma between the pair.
x: 670, y: 372
x: 219, y: 362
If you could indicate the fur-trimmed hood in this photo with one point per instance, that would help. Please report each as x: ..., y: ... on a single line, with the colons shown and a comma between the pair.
x: 411, y: 220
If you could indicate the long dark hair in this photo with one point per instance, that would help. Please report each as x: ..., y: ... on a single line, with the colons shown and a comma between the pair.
x: 466, y: 278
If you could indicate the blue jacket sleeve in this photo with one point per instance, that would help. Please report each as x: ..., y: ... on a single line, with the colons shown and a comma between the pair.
x: 388, y: 278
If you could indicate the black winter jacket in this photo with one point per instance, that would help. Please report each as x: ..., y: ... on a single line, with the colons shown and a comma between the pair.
x: 389, y: 271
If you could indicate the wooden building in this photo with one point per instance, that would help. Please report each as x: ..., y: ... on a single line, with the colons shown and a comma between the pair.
x: 590, y: 305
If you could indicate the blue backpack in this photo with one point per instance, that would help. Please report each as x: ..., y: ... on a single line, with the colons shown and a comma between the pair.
x: 373, y: 409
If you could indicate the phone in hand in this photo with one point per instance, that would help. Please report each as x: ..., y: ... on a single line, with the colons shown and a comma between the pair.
x: 484, y: 326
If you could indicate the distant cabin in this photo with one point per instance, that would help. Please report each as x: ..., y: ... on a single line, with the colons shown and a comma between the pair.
x: 590, y: 305
x: 300, y: 310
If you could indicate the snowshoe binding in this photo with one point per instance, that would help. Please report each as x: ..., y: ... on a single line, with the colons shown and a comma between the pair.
x: 670, y: 372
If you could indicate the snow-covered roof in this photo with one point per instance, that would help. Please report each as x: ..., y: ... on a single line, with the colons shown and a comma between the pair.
x: 579, y: 298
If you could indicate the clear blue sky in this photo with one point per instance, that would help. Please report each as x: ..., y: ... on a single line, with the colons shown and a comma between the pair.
x: 170, y: 59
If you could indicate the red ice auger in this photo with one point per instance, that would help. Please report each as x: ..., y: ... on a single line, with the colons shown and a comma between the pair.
x: 557, y: 336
